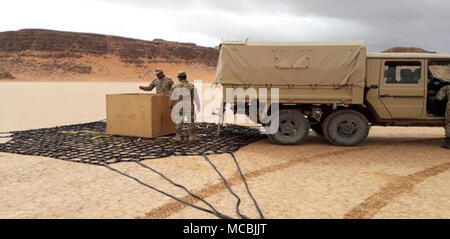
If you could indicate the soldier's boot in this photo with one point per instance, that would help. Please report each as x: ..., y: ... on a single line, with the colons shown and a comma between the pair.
x: 192, y: 135
x: 447, y: 143
x: 177, y: 134
x: 177, y: 137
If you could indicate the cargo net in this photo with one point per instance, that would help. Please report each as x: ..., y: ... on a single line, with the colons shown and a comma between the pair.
x: 88, y: 143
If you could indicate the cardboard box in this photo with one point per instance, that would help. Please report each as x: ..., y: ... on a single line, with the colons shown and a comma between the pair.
x: 139, y: 115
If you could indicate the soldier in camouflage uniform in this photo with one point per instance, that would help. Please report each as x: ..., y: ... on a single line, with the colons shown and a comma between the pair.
x: 162, y: 83
x: 183, y: 83
x: 444, y: 93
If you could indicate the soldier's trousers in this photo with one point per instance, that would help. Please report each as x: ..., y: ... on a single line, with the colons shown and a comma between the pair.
x: 179, y: 128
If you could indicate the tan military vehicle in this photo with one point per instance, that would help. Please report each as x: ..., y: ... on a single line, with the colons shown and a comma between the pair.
x: 336, y: 88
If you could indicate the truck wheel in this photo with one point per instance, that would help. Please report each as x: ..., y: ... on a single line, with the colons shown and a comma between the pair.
x: 346, y: 128
x: 317, y: 128
x: 293, y: 128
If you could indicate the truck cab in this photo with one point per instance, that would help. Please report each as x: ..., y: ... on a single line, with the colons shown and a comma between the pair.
x: 400, y: 88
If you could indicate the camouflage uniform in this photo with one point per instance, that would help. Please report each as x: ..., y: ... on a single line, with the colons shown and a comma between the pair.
x: 163, y: 85
x: 443, y: 93
x: 186, y: 85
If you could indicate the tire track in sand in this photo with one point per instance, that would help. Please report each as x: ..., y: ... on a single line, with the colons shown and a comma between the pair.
x: 373, y: 204
x: 172, y: 207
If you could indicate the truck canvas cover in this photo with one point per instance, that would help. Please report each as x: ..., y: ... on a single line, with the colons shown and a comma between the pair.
x: 292, y: 64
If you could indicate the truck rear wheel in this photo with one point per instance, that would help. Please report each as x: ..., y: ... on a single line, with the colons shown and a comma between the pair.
x: 346, y: 128
x: 293, y: 128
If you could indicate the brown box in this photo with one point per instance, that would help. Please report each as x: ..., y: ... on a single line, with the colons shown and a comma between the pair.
x: 139, y: 115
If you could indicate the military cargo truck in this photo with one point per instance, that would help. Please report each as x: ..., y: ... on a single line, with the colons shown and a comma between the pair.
x: 336, y: 88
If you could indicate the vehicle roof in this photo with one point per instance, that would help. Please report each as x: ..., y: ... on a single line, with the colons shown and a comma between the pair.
x: 315, y: 43
x: 404, y: 55
x: 407, y: 55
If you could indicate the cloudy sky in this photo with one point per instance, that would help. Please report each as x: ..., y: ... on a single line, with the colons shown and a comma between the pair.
x: 381, y: 24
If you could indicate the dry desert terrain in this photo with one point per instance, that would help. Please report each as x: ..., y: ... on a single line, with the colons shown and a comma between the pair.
x: 396, y: 173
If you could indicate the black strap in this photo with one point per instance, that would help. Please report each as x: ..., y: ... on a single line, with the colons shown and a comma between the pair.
x: 246, y: 186
x: 164, y: 193
x: 217, y: 213
x: 227, y: 186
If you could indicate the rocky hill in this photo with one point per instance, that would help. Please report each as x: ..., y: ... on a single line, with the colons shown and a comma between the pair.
x: 407, y: 49
x: 34, y: 54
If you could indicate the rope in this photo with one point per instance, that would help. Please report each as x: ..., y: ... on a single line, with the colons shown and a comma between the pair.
x: 166, y: 194
x: 227, y: 186
x: 218, y: 214
x: 246, y: 186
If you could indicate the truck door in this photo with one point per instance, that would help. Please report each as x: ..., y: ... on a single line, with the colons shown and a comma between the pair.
x: 402, y: 87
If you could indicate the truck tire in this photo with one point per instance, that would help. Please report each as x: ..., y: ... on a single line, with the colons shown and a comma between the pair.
x: 346, y: 128
x: 317, y: 128
x: 293, y: 128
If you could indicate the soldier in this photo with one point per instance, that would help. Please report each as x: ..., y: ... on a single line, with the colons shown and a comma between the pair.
x: 443, y: 93
x: 183, y: 83
x: 162, y: 83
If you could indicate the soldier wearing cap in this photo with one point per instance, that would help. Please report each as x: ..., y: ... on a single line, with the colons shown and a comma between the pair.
x: 444, y: 93
x: 184, y: 84
x: 162, y: 83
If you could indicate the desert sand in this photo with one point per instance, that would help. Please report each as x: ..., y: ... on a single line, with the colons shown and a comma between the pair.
x: 396, y: 173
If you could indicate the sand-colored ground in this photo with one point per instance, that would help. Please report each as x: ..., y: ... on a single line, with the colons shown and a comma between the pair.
x: 396, y: 173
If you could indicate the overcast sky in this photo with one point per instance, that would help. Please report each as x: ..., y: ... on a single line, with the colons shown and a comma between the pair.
x: 381, y: 24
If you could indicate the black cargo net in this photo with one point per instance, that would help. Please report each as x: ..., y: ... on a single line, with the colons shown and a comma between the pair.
x: 88, y: 143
